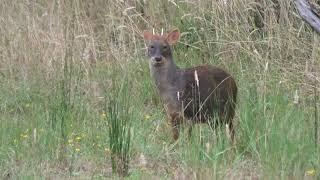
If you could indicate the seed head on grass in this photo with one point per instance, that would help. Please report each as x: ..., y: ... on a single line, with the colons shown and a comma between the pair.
x: 196, y: 78
x: 296, y: 97
x: 208, y: 147
x: 142, y: 160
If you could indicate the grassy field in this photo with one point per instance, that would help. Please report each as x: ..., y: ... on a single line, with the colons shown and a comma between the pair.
x: 70, y: 69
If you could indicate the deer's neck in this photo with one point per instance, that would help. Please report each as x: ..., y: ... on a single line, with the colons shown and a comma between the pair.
x: 166, y: 77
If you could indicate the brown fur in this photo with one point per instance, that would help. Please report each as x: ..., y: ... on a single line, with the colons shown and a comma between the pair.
x: 213, y: 101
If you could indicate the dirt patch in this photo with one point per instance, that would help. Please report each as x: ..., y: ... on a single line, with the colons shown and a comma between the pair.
x: 246, y: 169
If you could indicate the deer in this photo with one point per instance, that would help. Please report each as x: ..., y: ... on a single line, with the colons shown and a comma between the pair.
x: 201, y: 94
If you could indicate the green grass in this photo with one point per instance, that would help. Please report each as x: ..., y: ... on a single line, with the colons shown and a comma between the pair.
x: 62, y: 63
x: 119, y: 126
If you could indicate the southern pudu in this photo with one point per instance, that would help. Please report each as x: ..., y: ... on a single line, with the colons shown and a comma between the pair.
x: 202, y: 94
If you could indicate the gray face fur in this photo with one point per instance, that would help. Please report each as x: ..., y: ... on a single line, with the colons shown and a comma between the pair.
x: 159, y: 53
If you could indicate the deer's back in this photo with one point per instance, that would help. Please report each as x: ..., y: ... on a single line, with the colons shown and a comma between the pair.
x: 216, y: 89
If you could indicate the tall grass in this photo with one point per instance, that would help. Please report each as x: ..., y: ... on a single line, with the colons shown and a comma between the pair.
x: 119, y: 125
x: 58, y: 57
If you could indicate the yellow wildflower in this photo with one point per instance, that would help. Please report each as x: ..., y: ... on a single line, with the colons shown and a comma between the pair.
x: 77, y: 149
x: 24, y: 135
x: 70, y: 141
x: 146, y: 117
x: 78, y: 138
x: 311, y: 172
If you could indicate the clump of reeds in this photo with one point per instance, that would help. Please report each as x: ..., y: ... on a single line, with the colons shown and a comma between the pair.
x: 119, y: 125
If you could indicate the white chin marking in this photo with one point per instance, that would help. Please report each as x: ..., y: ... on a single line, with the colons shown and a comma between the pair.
x: 154, y: 63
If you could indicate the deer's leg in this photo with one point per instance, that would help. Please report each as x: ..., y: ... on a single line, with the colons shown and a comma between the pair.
x: 175, y: 132
x: 230, y: 120
x: 176, y: 120
x: 190, y: 124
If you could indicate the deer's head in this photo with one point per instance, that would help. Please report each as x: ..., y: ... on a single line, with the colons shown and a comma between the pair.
x: 159, y: 47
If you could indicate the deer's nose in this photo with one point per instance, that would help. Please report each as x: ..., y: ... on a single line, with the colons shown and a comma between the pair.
x: 158, y: 59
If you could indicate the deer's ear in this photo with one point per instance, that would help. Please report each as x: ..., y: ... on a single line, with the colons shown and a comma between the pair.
x: 173, y: 36
x: 147, y: 36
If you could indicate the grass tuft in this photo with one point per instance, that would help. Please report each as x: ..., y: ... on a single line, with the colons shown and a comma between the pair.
x: 119, y: 124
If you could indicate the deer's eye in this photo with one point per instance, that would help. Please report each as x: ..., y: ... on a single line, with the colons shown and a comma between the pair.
x: 151, y: 47
x: 165, y: 48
